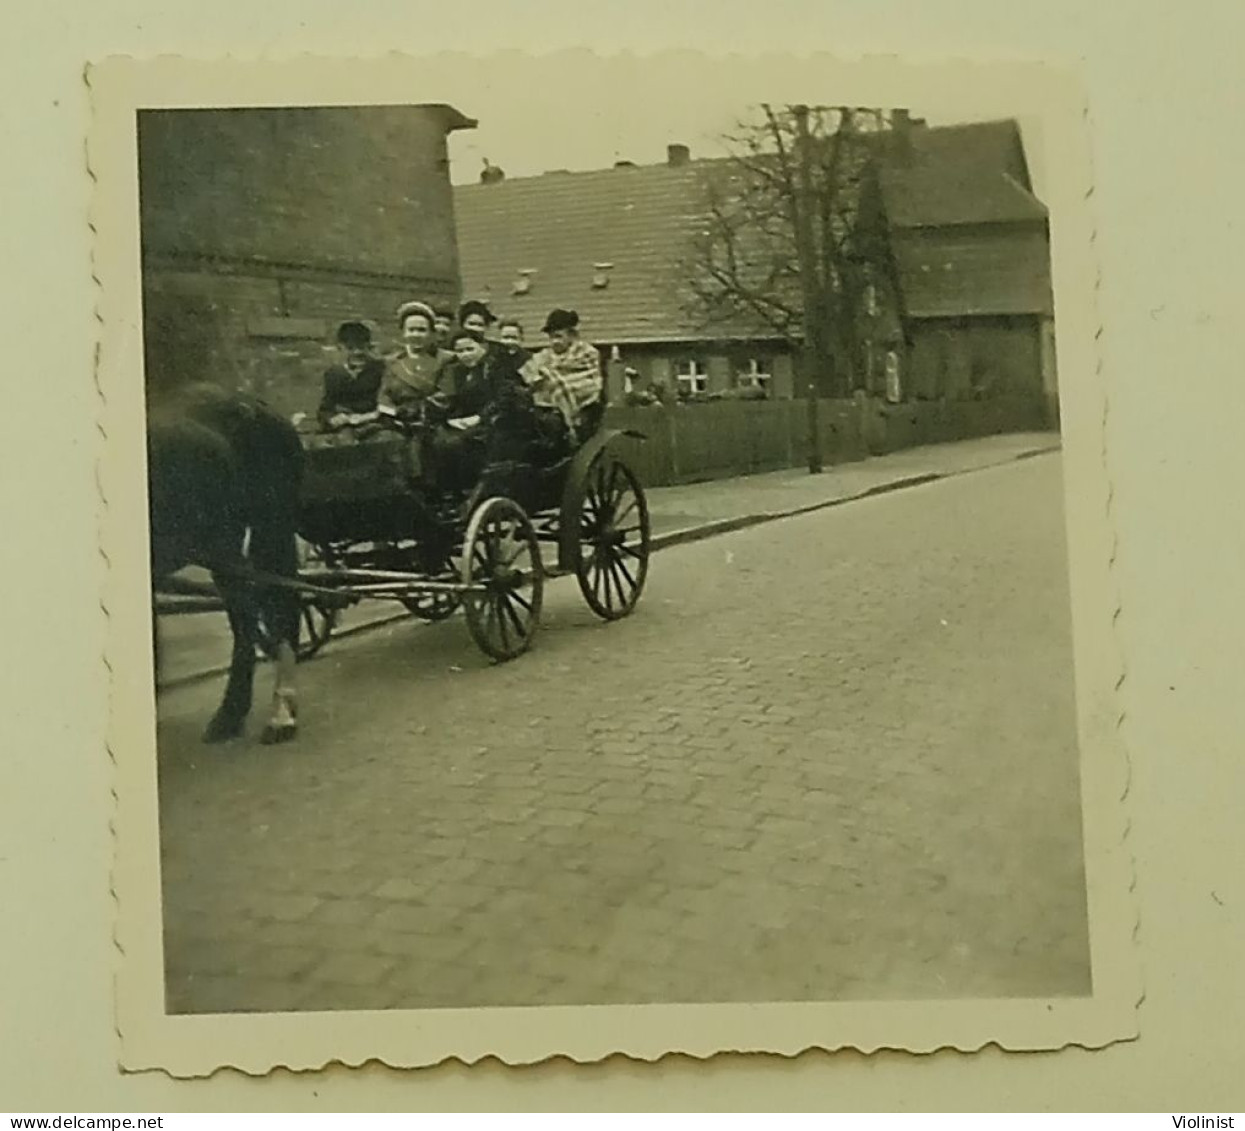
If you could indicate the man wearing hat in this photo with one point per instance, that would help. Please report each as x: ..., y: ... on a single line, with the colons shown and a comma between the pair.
x: 566, y: 374
x: 351, y: 387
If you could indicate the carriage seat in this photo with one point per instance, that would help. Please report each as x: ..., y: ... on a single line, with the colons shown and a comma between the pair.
x: 343, y: 467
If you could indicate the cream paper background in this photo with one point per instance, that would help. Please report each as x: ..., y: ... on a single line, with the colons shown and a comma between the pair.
x: 1165, y: 114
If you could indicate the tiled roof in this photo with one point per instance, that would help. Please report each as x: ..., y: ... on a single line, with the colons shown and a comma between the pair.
x: 560, y: 225
x: 638, y: 219
x: 972, y: 174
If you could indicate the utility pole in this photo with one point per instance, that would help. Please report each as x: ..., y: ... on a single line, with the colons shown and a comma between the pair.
x: 806, y: 252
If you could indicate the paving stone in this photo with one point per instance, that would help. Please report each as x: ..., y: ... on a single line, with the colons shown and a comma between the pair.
x: 782, y: 779
x: 352, y: 969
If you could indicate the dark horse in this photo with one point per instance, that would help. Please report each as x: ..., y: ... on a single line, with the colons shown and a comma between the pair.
x: 224, y: 476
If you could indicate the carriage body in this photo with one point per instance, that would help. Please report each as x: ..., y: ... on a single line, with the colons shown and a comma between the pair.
x: 361, y: 488
x: 379, y: 527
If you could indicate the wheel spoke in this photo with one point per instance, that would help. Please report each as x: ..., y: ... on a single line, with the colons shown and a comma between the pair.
x: 632, y: 551
x: 497, y: 606
x: 519, y: 547
x: 489, y: 542
x: 515, y: 619
x: 597, y: 574
x: 597, y: 492
x: 620, y: 515
x: 515, y: 595
x: 615, y: 488
x: 479, y: 557
x: 609, y: 585
x: 625, y: 572
x: 624, y: 593
x: 490, y: 618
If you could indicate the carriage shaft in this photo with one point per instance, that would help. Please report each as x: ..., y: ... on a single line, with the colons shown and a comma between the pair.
x: 387, y: 583
x: 399, y: 590
x: 187, y: 605
x: 348, y: 576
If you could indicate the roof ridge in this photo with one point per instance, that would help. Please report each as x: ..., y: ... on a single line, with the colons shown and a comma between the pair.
x: 639, y: 217
x: 637, y: 167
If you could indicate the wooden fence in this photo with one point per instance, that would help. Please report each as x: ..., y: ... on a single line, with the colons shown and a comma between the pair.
x: 718, y: 440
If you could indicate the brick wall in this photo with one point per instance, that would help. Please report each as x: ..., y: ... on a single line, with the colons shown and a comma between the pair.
x: 340, y: 188
x: 236, y: 331
x: 263, y: 229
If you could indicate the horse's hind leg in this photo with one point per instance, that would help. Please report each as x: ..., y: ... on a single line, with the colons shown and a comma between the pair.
x: 282, y: 724
x: 230, y: 717
x: 276, y: 551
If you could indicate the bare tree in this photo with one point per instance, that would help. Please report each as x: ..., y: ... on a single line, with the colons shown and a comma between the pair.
x: 788, y: 222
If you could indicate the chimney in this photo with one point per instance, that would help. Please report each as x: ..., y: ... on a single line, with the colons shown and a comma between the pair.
x: 901, y: 133
x: 491, y: 174
x: 677, y: 155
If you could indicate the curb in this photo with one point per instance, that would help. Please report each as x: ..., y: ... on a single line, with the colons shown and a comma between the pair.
x: 714, y: 527
x: 338, y: 634
x: 682, y: 537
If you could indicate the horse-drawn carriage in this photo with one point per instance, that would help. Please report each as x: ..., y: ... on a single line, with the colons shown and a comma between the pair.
x: 377, y: 524
x: 232, y: 484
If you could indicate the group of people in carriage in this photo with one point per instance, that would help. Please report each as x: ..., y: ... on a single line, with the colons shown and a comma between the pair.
x: 483, y: 398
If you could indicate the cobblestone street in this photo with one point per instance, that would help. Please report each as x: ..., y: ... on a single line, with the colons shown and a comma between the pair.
x: 829, y: 757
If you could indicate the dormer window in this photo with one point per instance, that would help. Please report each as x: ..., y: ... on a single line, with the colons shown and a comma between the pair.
x: 601, y: 276
x: 523, y: 282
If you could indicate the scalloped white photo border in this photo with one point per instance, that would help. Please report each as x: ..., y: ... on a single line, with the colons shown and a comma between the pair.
x: 194, y: 1046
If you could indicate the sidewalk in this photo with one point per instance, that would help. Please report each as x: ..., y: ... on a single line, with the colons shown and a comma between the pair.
x: 196, y: 646
x: 695, y: 510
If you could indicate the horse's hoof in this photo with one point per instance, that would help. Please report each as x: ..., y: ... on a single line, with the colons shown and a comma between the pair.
x: 273, y: 735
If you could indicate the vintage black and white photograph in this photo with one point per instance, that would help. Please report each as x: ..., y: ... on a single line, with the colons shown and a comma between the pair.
x: 606, y: 561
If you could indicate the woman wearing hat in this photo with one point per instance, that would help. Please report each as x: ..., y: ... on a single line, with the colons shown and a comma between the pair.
x: 566, y: 374
x: 475, y: 317
x: 413, y: 374
x: 351, y: 388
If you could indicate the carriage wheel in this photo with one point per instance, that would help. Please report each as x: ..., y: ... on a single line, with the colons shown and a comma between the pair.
x: 432, y: 607
x: 614, y: 537
x: 501, y: 553
x: 315, y: 626
x: 436, y: 606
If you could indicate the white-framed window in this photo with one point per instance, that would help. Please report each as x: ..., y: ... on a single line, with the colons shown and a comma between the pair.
x: 754, y: 373
x: 692, y: 375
